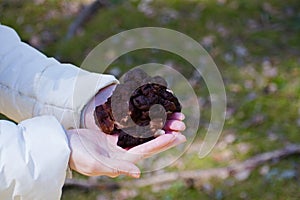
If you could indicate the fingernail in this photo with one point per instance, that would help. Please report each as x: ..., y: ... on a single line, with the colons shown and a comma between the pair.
x: 135, y: 175
x: 183, y: 127
x: 159, y: 133
x: 179, y: 116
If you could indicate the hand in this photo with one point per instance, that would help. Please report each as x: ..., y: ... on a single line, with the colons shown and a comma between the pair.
x: 94, y: 153
x: 173, y: 127
x: 90, y: 161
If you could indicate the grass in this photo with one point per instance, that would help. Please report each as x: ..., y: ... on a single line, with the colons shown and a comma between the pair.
x: 255, y: 45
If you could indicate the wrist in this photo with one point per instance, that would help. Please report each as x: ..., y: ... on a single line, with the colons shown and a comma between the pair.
x: 87, y: 114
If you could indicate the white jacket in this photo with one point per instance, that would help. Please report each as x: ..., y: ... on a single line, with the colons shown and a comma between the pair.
x: 34, y: 154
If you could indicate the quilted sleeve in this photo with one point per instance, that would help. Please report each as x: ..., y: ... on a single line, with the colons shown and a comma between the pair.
x: 33, y: 159
x: 32, y: 84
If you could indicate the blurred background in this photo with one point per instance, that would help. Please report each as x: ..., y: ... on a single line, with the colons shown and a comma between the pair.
x: 256, y: 46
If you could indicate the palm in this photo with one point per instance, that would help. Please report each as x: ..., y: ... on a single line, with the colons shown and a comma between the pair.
x: 97, y: 153
x: 93, y: 154
x: 159, y: 144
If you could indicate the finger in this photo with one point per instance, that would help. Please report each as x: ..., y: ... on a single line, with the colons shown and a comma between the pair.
x: 176, y: 116
x: 179, y: 138
x: 153, y: 146
x: 113, y: 168
x: 174, y: 125
x: 140, y: 152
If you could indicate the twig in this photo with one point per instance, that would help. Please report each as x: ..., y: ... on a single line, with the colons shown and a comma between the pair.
x: 222, y: 173
x: 84, y: 16
x: 89, y: 185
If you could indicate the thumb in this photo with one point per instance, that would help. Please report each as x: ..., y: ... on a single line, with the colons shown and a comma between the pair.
x: 113, y: 168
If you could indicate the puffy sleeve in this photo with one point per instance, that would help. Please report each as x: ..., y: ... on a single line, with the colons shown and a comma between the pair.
x: 33, y: 159
x: 32, y: 84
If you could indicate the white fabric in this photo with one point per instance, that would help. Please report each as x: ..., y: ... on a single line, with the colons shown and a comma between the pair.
x: 33, y: 159
x: 34, y: 154
x: 32, y: 84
